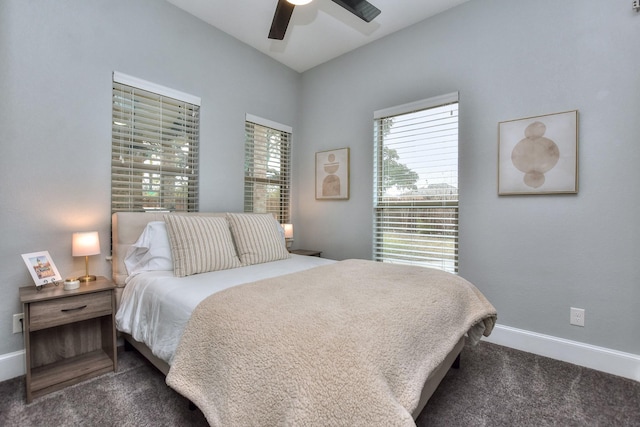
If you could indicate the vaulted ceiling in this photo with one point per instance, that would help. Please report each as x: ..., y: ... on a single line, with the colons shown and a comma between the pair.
x: 318, y: 31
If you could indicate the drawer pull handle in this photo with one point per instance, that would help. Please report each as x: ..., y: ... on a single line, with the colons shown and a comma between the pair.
x: 64, y: 310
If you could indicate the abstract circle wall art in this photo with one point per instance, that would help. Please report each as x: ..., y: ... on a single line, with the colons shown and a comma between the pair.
x: 332, y: 174
x: 538, y: 155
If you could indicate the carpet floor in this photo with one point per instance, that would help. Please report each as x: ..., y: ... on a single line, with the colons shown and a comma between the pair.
x: 495, y: 386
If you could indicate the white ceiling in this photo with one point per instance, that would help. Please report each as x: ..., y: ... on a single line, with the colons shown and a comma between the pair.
x: 317, y: 32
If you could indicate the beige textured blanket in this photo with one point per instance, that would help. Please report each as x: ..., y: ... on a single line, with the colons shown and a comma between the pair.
x: 347, y: 344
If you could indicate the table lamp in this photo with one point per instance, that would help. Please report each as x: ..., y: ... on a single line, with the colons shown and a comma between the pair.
x: 85, y: 244
x: 288, y: 235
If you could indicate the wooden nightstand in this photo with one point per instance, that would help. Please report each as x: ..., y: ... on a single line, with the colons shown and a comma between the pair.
x: 69, y: 336
x: 306, y: 252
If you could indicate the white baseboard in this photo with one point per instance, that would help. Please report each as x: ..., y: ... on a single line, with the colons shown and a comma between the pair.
x: 599, y: 358
x: 12, y: 365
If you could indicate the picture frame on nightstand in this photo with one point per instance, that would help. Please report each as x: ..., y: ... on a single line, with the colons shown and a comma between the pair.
x: 41, y: 268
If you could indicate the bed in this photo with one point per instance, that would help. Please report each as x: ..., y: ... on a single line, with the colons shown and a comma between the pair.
x: 259, y: 336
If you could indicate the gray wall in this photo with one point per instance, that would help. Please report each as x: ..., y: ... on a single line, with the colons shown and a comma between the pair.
x: 56, y: 63
x: 533, y: 256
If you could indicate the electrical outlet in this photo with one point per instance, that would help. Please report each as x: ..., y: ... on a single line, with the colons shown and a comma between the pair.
x: 635, y: 5
x: 17, y: 323
x: 577, y: 316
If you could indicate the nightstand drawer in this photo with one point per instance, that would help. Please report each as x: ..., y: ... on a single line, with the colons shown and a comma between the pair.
x: 55, y: 312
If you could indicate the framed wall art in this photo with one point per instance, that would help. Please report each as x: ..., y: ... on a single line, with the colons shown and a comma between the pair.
x: 41, y: 268
x: 332, y: 174
x: 538, y: 155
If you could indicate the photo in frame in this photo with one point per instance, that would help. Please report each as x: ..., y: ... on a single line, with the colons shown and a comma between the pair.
x: 538, y: 155
x: 41, y: 268
x: 332, y: 174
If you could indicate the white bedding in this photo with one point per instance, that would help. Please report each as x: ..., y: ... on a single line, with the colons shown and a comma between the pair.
x: 156, y: 306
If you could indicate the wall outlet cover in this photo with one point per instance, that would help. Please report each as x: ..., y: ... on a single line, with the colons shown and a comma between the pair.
x: 577, y: 316
x: 17, y: 323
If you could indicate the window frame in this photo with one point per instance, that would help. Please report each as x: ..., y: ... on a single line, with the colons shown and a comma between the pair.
x: 435, y: 214
x: 282, y: 136
x: 154, y: 146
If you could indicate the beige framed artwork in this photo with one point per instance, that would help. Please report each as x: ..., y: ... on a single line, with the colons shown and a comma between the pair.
x: 332, y: 174
x: 538, y: 155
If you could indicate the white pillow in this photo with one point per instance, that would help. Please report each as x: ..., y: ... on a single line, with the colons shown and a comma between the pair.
x: 258, y: 238
x: 151, y: 252
x: 200, y: 244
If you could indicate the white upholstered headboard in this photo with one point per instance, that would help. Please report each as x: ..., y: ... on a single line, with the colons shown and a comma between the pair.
x: 126, y: 227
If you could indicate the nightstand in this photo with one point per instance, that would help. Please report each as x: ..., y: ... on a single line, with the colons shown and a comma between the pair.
x: 69, y: 336
x: 306, y: 252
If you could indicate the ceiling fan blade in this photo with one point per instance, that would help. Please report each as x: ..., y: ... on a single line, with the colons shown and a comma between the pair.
x: 361, y: 8
x: 281, y: 19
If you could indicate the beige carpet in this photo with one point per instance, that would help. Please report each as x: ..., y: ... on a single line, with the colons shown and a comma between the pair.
x: 495, y: 386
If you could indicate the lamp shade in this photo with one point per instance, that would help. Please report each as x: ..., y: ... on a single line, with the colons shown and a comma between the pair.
x: 288, y: 231
x: 299, y: 2
x: 85, y: 243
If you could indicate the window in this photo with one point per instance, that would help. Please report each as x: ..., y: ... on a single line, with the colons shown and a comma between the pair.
x: 267, y: 168
x: 154, y: 147
x: 416, y: 183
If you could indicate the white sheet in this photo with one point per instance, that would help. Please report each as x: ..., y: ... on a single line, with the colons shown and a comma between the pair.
x: 156, y: 306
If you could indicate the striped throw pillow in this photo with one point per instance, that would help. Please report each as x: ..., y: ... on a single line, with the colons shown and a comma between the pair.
x: 258, y: 238
x: 200, y: 244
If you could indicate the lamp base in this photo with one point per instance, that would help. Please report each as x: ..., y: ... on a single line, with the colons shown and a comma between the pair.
x: 87, y: 278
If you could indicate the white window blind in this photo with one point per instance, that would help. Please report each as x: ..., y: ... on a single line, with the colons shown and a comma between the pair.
x: 416, y: 183
x: 267, y: 168
x: 154, y: 148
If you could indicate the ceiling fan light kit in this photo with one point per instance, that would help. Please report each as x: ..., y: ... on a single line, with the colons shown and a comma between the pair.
x: 361, y: 8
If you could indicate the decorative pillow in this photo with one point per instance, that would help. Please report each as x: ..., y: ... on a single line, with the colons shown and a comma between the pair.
x: 200, y: 244
x: 151, y: 252
x: 257, y: 237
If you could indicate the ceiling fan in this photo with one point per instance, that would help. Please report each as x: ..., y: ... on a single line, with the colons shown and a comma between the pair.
x: 361, y: 8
